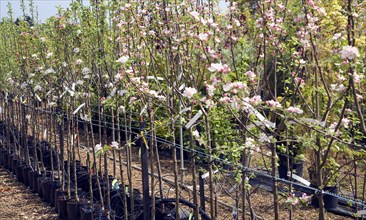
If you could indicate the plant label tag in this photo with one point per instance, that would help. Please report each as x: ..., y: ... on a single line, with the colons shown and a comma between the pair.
x: 63, y: 94
x: 232, y: 189
x: 205, y: 175
x: 78, y: 108
x: 49, y: 92
x: 45, y: 134
x: 298, y: 178
x: 38, y: 98
x: 113, y: 92
x: 361, y: 212
x: 313, y: 121
x: 194, y: 119
x: 181, y: 87
x: 156, y: 78
x: 184, y: 110
x: 143, y: 110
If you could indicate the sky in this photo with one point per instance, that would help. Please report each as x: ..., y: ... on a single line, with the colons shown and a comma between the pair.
x: 46, y: 8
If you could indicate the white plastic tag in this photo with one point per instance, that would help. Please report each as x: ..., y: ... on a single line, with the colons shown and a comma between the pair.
x: 194, y: 119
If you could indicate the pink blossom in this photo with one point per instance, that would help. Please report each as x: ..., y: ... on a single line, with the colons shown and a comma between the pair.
x: 295, y: 110
x: 224, y: 99
x: 337, y: 36
x: 255, y: 100
x: 298, y: 80
x: 292, y: 199
x: 305, y: 198
x: 250, y: 74
x: 273, y: 103
x: 215, y: 67
x: 194, y: 14
x: 281, y: 6
x: 132, y: 99
x: 218, y: 67
x: 239, y: 85
x: 357, y: 77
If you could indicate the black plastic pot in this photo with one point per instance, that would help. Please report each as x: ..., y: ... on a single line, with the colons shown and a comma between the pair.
x: 58, y: 193
x: 46, y: 189
x: 2, y: 151
x: 296, y: 167
x: 26, y: 170
x: 90, y: 212
x: 6, y: 160
x: 30, y: 178
x: 14, y: 162
x: 39, y: 185
x: 330, y: 201
x: 73, y: 208
x: 117, y: 202
x: 112, y: 215
x: 35, y: 176
x: 62, y: 207
x: 83, y: 180
x: 19, y: 171
x: 55, y: 185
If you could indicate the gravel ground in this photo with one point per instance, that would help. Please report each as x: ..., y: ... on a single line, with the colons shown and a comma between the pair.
x: 18, y: 202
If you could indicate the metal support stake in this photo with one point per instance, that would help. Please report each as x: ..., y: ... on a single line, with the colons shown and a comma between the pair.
x: 145, y: 172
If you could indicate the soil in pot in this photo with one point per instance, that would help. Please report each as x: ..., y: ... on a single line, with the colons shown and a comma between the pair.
x: 73, y: 208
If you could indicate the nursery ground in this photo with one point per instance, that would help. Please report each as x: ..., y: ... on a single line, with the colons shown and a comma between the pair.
x: 18, y: 202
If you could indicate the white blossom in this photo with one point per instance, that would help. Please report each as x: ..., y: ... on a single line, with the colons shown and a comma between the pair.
x: 115, y: 144
x: 189, y: 92
x: 203, y: 36
x: 98, y: 147
x: 349, y: 52
x: 123, y: 59
x: 78, y: 61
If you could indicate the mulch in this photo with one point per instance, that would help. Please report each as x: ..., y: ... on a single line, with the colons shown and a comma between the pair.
x: 18, y: 202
